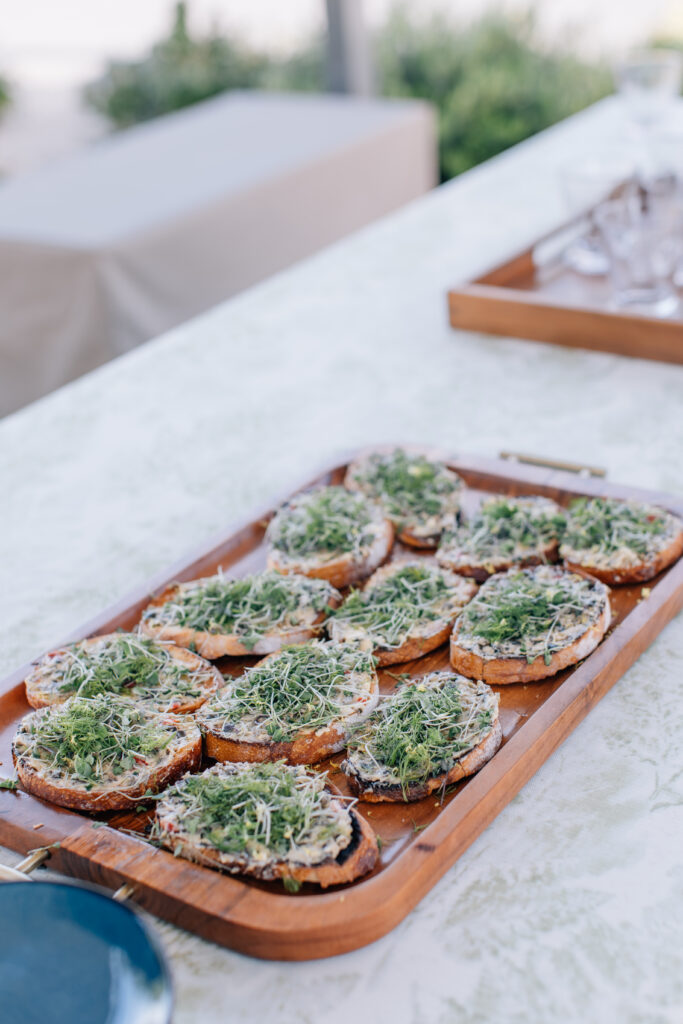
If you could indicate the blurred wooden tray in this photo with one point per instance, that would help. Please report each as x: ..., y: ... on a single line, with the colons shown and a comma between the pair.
x: 544, y: 300
x: 420, y: 841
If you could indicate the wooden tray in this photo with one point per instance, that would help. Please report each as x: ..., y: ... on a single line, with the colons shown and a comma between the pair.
x: 546, y: 301
x: 419, y: 841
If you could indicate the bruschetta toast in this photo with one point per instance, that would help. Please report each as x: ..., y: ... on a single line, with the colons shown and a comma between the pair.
x: 420, y: 495
x: 502, y: 533
x: 218, y: 616
x: 330, y: 534
x: 528, y: 624
x: 266, y: 820
x: 620, y: 541
x: 427, y: 735
x: 160, y: 675
x: 298, y: 705
x: 103, y: 753
x: 405, y: 610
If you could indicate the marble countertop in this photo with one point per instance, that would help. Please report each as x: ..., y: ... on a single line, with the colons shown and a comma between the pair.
x: 568, y: 907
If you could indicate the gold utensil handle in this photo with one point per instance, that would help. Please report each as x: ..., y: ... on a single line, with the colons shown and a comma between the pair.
x: 567, y: 467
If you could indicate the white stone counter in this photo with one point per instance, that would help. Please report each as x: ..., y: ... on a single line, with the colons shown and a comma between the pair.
x: 568, y: 908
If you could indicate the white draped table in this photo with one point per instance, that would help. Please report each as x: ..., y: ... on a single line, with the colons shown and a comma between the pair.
x: 143, y: 230
x: 568, y: 908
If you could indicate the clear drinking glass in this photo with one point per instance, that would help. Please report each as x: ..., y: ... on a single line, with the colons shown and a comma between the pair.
x: 642, y: 251
x: 665, y: 185
x: 648, y: 81
x: 586, y: 183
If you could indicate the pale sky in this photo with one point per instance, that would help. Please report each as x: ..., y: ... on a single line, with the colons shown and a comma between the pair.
x: 67, y: 40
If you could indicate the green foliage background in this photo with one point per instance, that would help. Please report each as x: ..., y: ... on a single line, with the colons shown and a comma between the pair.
x: 5, y: 94
x: 492, y: 81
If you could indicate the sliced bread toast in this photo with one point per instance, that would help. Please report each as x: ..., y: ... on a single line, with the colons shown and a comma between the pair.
x: 103, y: 753
x: 405, y: 610
x: 270, y: 821
x: 329, y: 533
x: 420, y: 495
x: 298, y: 704
x: 427, y: 735
x: 527, y: 624
x: 258, y: 614
x: 160, y: 675
x: 505, y: 531
x: 621, y: 541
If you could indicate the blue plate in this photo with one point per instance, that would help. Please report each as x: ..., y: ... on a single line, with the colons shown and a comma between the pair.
x: 71, y: 955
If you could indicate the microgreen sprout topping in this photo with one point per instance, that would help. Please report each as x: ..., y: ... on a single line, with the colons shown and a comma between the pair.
x: 411, y: 487
x: 93, y: 739
x: 306, y: 686
x: 504, y: 529
x: 123, y: 663
x: 530, y: 612
x: 258, y: 810
x: 326, y: 521
x: 247, y: 608
x: 602, y: 528
x: 422, y: 729
x: 414, y: 594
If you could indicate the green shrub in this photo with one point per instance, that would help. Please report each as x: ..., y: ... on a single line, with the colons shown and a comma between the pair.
x: 5, y: 94
x: 492, y: 81
x: 178, y: 71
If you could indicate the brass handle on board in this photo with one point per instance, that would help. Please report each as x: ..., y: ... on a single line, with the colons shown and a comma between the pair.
x: 22, y: 871
x: 567, y: 467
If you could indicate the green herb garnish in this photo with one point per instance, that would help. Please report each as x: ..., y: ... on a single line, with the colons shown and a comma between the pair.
x: 327, y: 521
x: 423, y: 728
x: 410, y: 486
x: 305, y: 686
x: 403, y: 600
x: 247, y: 608
x: 606, y: 525
x: 124, y: 663
x: 259, y: 809
x: 93, y: 738
x: 529, y: 612
x: 10, y: 784
x: 504, y: 528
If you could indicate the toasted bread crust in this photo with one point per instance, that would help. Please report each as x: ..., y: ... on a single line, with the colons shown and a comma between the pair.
x: 374, y: 792
x: 40, y: 696
x: 503, y: 671
x: 359, y: 858
x: 646, y: 570
x: 220, y: 645
x: 481, y: 573
x: 356, y: 863
x: 187, y: 758
x: 343, y: 571
x: 414, y: 647
x: 309, y: 747
x: 406, y: 536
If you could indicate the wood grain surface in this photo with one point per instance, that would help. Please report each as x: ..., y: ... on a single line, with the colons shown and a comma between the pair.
x: 420, y: 841
x: 517, y: 299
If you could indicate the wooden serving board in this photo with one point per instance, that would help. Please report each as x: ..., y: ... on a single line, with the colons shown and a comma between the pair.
x: 553, y: 303
x: 420, y: 841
